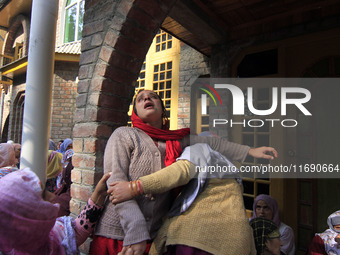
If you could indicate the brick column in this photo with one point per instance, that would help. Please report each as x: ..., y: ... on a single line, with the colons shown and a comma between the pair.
x: 116, y: 38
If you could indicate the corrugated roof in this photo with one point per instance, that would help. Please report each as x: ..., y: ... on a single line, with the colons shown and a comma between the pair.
x: 69, y: 48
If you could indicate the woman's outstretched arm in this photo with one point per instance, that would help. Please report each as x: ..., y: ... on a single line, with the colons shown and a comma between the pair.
x: 177, y: 174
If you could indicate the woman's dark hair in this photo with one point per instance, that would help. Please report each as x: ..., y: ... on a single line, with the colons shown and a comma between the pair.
x: 164, y: 116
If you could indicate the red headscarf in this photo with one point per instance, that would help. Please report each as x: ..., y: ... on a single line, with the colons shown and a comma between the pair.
x: 173, y: 147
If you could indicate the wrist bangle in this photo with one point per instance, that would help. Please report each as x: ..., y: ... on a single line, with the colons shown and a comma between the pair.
x: 130, y: 187
x: 141, y: 192
x: 135, y: 188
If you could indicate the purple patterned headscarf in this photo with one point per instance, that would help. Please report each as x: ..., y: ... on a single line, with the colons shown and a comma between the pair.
x: 271, y: 202
x: 26, y: 219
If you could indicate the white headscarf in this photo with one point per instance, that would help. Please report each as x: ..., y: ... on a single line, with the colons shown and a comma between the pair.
x: 328, y: 237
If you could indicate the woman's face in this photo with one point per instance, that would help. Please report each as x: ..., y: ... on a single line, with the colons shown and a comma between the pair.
x: 263, y: 210
x: 17, y: 150
x: 149, y: 108
x: 273, y: 246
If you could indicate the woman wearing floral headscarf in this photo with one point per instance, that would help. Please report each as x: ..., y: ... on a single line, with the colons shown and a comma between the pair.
x: 266, y: 207
x: 327, y: 242
x: 7, y: 159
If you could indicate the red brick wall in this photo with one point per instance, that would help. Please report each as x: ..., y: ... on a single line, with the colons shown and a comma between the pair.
x: 116, y: 37
x: 63, y: 100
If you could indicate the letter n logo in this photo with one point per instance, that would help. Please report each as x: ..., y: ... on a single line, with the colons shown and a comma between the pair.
x: 204, y: 97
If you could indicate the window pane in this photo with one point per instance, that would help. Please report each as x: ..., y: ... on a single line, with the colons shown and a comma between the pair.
x: 262, y: 140
x: 162, y: 76
x: 248, y: 140
x: 70, y: 24
x: 155, y: 68
x: 170, y: 45
x: 158, y: 48
x: 169, y: 65
x: 80, y: 19
x: 155, y: 77
x: 205, y: 120
x: 168, y: 94
x: 155, y: 87
x: 168, y: 75
x: 247, y: 128
x: 161, y: 85
x: 248, y: 187
x: 69, y: 2
x: 162, y: 67
x: 262, y: 188
x: 248, y: 202
x: 163, y: 46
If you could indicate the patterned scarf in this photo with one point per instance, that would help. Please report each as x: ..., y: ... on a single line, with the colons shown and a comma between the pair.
x: 328, y: 237
x: 263, y: 229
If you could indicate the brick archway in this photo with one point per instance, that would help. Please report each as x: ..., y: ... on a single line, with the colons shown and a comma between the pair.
x: 19, y: 20
x: 116, y: 37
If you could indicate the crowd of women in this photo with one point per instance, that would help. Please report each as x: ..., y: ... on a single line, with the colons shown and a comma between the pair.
x: 158, y: 203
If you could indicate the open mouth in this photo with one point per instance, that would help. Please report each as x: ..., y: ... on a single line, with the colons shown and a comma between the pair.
x: 148, y: 105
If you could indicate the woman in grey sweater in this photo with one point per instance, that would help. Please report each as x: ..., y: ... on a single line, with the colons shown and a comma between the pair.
x: 141, y: 150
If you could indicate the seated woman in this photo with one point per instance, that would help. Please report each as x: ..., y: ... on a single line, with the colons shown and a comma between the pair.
x: 266, y: 236
x: 8, y: 160
x: 29, y: 225
x: 327, y: 242
x: 266, y: 207
x: 211, y: 219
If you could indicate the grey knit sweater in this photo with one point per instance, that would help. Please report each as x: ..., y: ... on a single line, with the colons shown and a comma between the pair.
x: 129, y: 154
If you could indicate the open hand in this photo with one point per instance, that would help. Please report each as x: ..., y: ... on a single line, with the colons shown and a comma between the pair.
x: 119, y: 192
x: 134, y: 249
x: 263, y: 152
x: 99, y: 194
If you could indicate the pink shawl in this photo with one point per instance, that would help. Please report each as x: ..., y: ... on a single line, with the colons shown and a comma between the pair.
x: 26, y: 220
